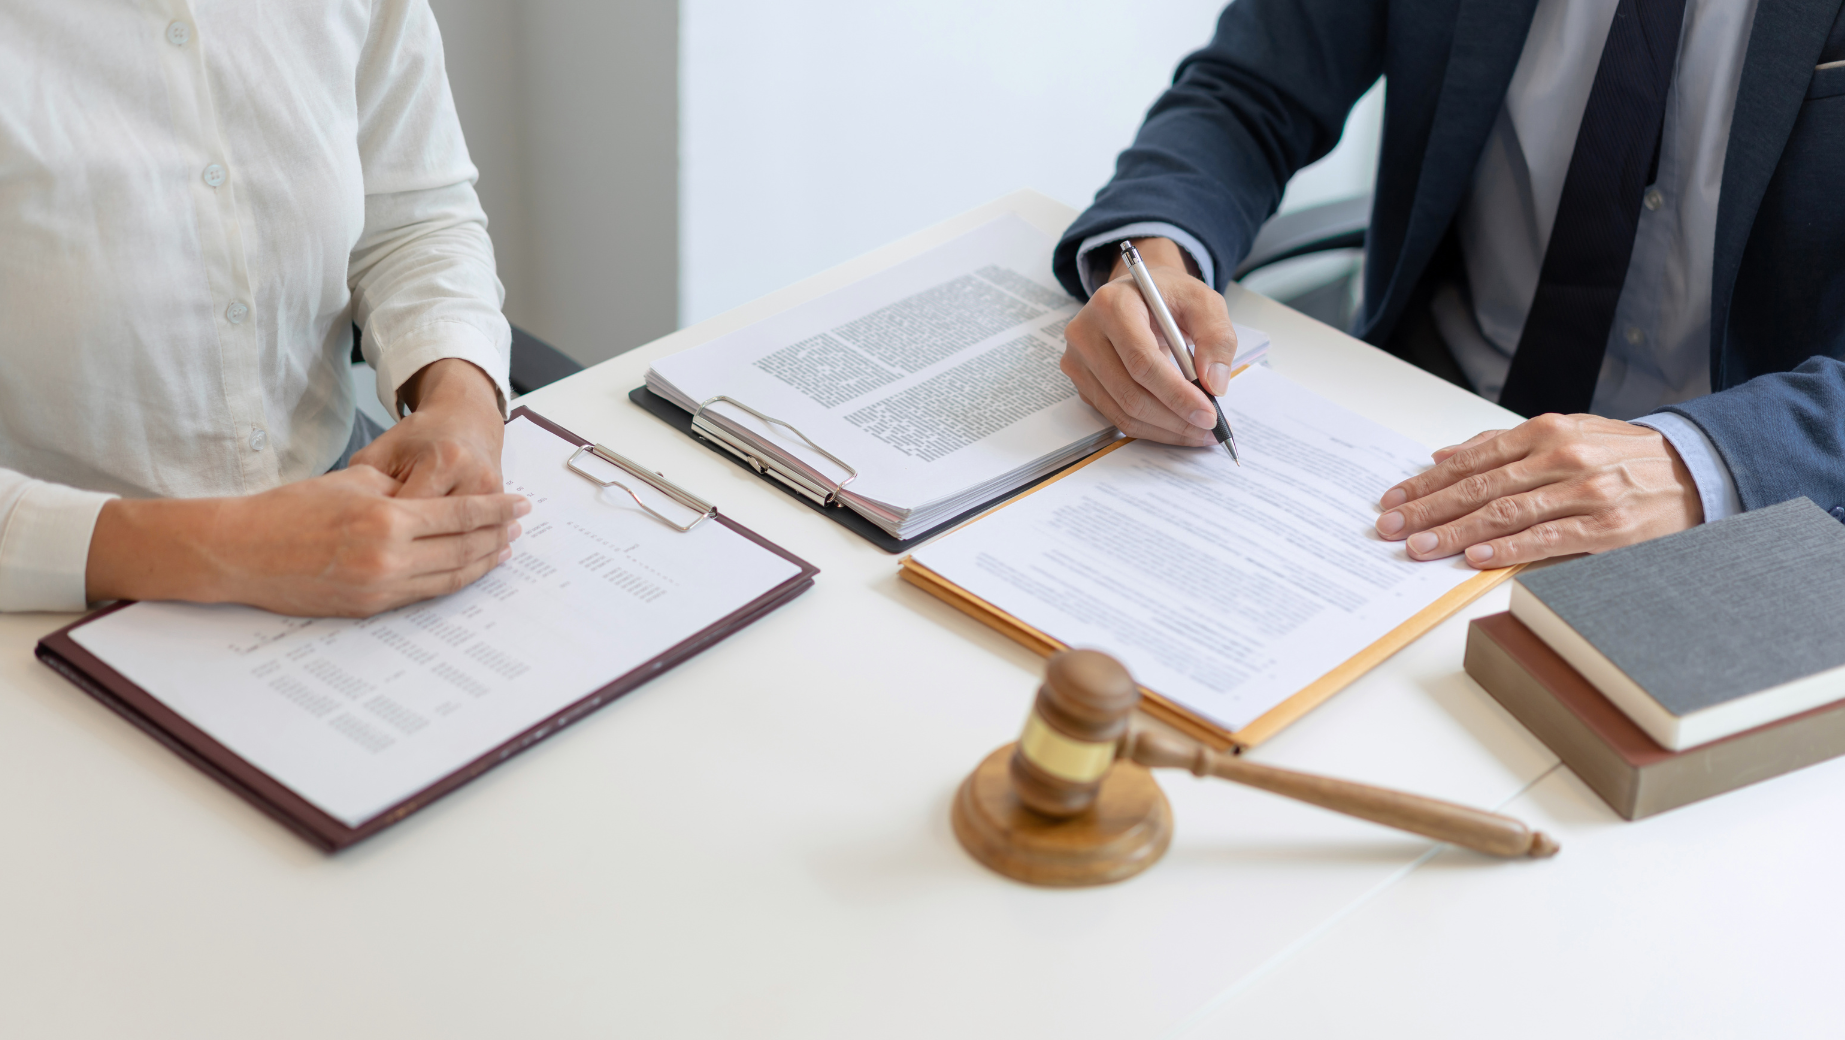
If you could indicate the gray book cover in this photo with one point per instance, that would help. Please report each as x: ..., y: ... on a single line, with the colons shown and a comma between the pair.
x: 1718, y: 612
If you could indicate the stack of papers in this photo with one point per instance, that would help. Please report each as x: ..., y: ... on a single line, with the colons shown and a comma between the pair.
x: 1241, y: 596
x: 921, y: 392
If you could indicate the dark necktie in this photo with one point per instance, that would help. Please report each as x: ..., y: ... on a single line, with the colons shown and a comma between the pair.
x: 1559, y: 354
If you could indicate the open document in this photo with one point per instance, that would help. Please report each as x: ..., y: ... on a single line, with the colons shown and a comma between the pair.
x: 935, y: 381
x: 356, y: 716
x: 1226, y: 590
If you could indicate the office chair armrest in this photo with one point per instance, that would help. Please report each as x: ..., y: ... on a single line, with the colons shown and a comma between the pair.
x: 536, y: 363
x: 1331, y: 225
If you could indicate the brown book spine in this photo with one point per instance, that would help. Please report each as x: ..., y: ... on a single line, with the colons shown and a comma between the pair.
x: 1520, y: 692
x: 1632, y: 773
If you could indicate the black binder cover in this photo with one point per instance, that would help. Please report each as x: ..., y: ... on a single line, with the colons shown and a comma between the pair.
x: 681, y: 420
x: 89, y: 673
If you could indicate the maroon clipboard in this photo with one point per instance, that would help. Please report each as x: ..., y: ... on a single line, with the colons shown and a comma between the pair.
x: 95, y: 677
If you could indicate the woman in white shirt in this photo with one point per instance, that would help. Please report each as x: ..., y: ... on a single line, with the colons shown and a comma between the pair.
x: 196, y: 202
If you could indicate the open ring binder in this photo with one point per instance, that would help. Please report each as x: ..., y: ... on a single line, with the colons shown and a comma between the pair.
x: 657, y: 481
x: 680, y: 418
x: 762, y: 458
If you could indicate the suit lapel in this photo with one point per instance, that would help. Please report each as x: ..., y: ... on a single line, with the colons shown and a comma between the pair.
x: 1783, y: 47
x: 1489, y: 36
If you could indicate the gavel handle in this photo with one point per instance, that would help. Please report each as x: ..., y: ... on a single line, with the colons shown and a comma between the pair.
x: 1475, y: 829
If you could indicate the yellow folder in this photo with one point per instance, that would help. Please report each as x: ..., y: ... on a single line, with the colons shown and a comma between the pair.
x: 1175, y: 714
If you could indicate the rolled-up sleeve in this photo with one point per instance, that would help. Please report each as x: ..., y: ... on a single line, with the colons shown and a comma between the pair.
x: 422, y: 274
x: 44, y: 542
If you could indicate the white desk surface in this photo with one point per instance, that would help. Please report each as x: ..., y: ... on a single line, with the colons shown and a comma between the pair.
x: 757, y: 844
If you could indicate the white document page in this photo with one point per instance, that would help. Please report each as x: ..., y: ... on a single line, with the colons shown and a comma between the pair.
x: 356, y: 716
x: 931, y: 377
x: 1224, y: 589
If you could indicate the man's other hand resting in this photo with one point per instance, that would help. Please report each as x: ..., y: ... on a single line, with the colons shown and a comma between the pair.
x: 1552, y: 486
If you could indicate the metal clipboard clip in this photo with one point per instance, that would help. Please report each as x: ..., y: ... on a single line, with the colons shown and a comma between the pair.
x: 655, y: 480
x: 763, y: 459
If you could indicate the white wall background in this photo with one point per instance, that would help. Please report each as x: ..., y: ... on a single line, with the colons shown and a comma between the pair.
x: 649, y: 163
x: 814, y: 130
x: 571, y: 112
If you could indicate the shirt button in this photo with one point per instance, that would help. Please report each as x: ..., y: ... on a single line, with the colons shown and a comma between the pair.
x: 1634, y: 335
x: 258, y: 439
x: 1653, y: 198
x: 214, y: 175
x: 236, y: 312
x: 178, y: 33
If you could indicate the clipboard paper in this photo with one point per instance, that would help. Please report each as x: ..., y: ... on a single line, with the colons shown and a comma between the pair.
x: 521, y: 708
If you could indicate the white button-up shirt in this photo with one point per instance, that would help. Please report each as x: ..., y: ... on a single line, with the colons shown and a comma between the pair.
x: 1659, y: 346
x: 196, y: 201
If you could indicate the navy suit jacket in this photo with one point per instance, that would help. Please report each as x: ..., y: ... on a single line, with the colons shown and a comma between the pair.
x: 1271, y: 92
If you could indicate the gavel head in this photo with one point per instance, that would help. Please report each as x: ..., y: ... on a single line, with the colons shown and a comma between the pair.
x: 1072, y: 733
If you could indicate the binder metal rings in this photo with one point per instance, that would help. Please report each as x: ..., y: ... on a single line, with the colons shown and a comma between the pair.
x: 655, y: 480
x: 818, y: 490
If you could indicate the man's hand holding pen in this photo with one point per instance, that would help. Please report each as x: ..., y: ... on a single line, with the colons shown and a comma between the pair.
x: 1114, y: 357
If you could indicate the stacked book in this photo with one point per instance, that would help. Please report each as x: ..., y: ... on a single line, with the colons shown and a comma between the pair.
x: 1677, y: 669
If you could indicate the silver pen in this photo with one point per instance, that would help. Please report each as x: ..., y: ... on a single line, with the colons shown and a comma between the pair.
x: 1175, y: 340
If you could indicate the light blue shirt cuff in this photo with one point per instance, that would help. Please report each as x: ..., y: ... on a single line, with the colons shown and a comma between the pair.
x: 1145, y: 229
x: 1716, y: 487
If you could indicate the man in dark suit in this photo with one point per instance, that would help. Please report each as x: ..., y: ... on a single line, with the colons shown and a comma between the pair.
x: 1588, y: 210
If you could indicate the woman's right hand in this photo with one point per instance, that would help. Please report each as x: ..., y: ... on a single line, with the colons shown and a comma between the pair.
x: 340, y: 545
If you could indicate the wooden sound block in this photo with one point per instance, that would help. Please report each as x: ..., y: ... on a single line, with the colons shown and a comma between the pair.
x: 1124, y: 833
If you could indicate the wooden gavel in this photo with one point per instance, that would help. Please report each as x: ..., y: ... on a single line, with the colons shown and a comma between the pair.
x: 1070, y: 803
